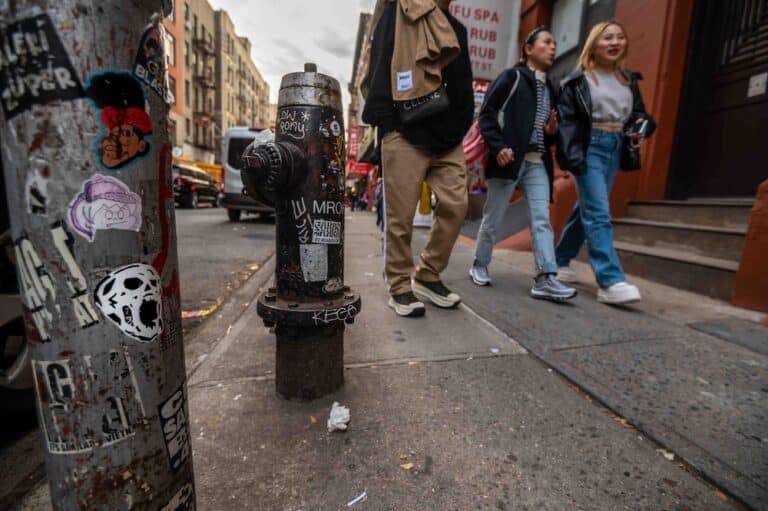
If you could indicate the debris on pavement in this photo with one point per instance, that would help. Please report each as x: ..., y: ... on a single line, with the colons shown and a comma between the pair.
x: 495, y: 350
x: 403, y: 456
x: 407, y: 466
x: 668, y: 455
x: 237, y: 397
x: 339, y: 418
x: 312, y: 420
x: 357, y: 500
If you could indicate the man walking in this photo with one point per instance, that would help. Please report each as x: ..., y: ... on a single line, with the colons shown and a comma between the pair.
x: 420, y: 98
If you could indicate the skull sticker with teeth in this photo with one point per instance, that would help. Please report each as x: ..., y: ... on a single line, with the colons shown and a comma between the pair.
x: 130, y: 297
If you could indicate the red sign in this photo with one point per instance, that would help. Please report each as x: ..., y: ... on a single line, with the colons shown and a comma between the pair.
x: 356, y: 168
x: 352, y: 143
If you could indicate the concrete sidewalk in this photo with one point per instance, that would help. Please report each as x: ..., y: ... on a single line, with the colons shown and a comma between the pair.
x: 482, y: 407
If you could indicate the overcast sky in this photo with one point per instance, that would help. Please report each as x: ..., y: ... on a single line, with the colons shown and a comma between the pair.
x: 287, y: 33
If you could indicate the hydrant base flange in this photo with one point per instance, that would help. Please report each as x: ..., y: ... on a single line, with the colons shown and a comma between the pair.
x: 277, y: 311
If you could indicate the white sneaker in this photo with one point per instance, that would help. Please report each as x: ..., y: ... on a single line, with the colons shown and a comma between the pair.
x: 566, y: 274
x: 619, y: 293
x: 479, y: 275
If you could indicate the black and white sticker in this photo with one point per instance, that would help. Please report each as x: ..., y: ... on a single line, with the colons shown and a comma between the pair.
x: 88, y: 402
x: 184, y: 500
x: 173, y: 421
x: 325, y: 231
x: 130, y: 297
x: 34, y: 66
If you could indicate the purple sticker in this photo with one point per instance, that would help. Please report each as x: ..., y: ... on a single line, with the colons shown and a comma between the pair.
x: 104, y: 203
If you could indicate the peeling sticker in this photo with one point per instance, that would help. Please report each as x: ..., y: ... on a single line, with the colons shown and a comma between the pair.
x: 34, y: 66
x: 173, y: 421
x: 314, y: 262
x: 130, y: 297
x: 334, y: 285
x: 36, y: 193
x: 104, y: 203
x: 149, y: 66
x: 81, y: 300
x: 36, y: 286
x: 119, y: 98
x: 184, y: 500
x: 325, y: 231
x: 335, y: 128
x: 87, y: 402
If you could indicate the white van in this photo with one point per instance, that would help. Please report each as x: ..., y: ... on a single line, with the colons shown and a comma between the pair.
x: 235, y: 142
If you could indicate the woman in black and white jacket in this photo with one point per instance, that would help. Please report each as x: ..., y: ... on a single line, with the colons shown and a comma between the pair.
x: 518, y: 123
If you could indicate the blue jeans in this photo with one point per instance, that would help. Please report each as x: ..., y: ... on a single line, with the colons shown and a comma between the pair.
x: 534, y: 183
x: 591, y: 218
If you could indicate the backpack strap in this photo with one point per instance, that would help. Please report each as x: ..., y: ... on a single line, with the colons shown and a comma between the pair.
x: 511, y: 93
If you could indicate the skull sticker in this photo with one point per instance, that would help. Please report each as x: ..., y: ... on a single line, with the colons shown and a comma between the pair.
x: 130, y: 297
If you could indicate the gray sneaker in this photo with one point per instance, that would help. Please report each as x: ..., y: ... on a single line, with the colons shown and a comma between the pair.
x: 479, y: 275
x: 549, y: 288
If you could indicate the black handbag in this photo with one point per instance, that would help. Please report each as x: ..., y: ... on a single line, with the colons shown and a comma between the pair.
x: 416, y: 110
x: 630, y: 155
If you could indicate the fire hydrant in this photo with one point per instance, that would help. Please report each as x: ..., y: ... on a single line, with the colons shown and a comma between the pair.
x: 302, y: 174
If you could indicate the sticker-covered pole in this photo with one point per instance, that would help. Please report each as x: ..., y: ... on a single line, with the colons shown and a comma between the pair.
x: 87, y: 169
x: 302, y: 173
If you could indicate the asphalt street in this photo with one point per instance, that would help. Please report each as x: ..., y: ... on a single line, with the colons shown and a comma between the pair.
x: 215, y: 257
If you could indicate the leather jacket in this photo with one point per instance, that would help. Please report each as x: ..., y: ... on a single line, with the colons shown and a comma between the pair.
x: 574, y: 110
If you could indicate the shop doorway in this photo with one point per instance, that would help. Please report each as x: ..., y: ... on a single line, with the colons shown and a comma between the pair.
x: 721, y: 149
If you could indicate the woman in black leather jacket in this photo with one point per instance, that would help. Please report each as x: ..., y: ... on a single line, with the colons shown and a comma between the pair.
x: 600, y: 110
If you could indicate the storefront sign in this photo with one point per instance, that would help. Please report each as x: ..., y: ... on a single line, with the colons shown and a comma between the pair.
x: 492, y: 27
x: 352, y: 142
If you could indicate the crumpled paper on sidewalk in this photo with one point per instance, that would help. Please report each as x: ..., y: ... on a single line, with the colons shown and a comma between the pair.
x: 339, y: 418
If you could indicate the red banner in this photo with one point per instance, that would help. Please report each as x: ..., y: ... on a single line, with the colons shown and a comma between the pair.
x: 352, y: 143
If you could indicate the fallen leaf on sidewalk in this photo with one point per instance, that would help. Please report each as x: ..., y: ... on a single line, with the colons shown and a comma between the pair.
x: 720, y: 495
x: 237, y: 397
x: 403, y: 456
x: 668, y: 455
x: 312, y: 419
x: 253, y: 267
x: 622, y: 421
x: 407, y: 466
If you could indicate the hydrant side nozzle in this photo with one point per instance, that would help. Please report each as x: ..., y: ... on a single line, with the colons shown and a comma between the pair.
x: 270, y: 168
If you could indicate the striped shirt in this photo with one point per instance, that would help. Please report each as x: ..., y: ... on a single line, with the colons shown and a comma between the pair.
x: 543, y: 107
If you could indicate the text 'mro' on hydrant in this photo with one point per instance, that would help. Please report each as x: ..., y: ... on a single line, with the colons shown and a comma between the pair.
x: 302, y: 174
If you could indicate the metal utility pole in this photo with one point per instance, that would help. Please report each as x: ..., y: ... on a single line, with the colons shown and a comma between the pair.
x: 87, y: 168
x: 302, y: 173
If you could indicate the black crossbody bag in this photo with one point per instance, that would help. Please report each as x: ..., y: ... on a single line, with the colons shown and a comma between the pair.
x: 416, y: 110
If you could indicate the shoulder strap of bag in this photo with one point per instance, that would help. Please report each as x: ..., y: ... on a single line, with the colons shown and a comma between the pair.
x: 511, y: 93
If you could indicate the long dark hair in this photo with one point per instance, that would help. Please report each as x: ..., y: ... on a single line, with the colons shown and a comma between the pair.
x: 530, y: 39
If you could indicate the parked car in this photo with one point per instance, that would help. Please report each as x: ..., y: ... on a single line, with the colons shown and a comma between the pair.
x: 235, y: 142
x: 192, y: 186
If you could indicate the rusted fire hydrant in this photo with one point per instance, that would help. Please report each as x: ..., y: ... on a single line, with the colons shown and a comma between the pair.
x: 302, y: 174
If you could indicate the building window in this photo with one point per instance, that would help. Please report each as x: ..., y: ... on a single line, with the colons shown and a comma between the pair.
x: 172, y: 133
x: 170, y: 49
x: 186, y: 53
x: 566, y: 24
x: 188, y: 131
x: 194, y: 25
x: 186, y: 92
x: 172, y: 87
x: 186, y: 11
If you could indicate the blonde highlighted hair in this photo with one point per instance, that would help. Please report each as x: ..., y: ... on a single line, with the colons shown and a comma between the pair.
x: 587, y: 57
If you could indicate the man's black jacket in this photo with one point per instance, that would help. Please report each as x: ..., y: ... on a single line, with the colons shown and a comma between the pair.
x: 439, y: 133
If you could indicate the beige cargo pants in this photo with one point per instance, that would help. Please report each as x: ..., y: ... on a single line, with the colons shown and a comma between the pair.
x: 404, y: 167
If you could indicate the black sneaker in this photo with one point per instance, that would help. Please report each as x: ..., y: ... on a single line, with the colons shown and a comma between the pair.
x: 436, y: 292
x: 406, y: 304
